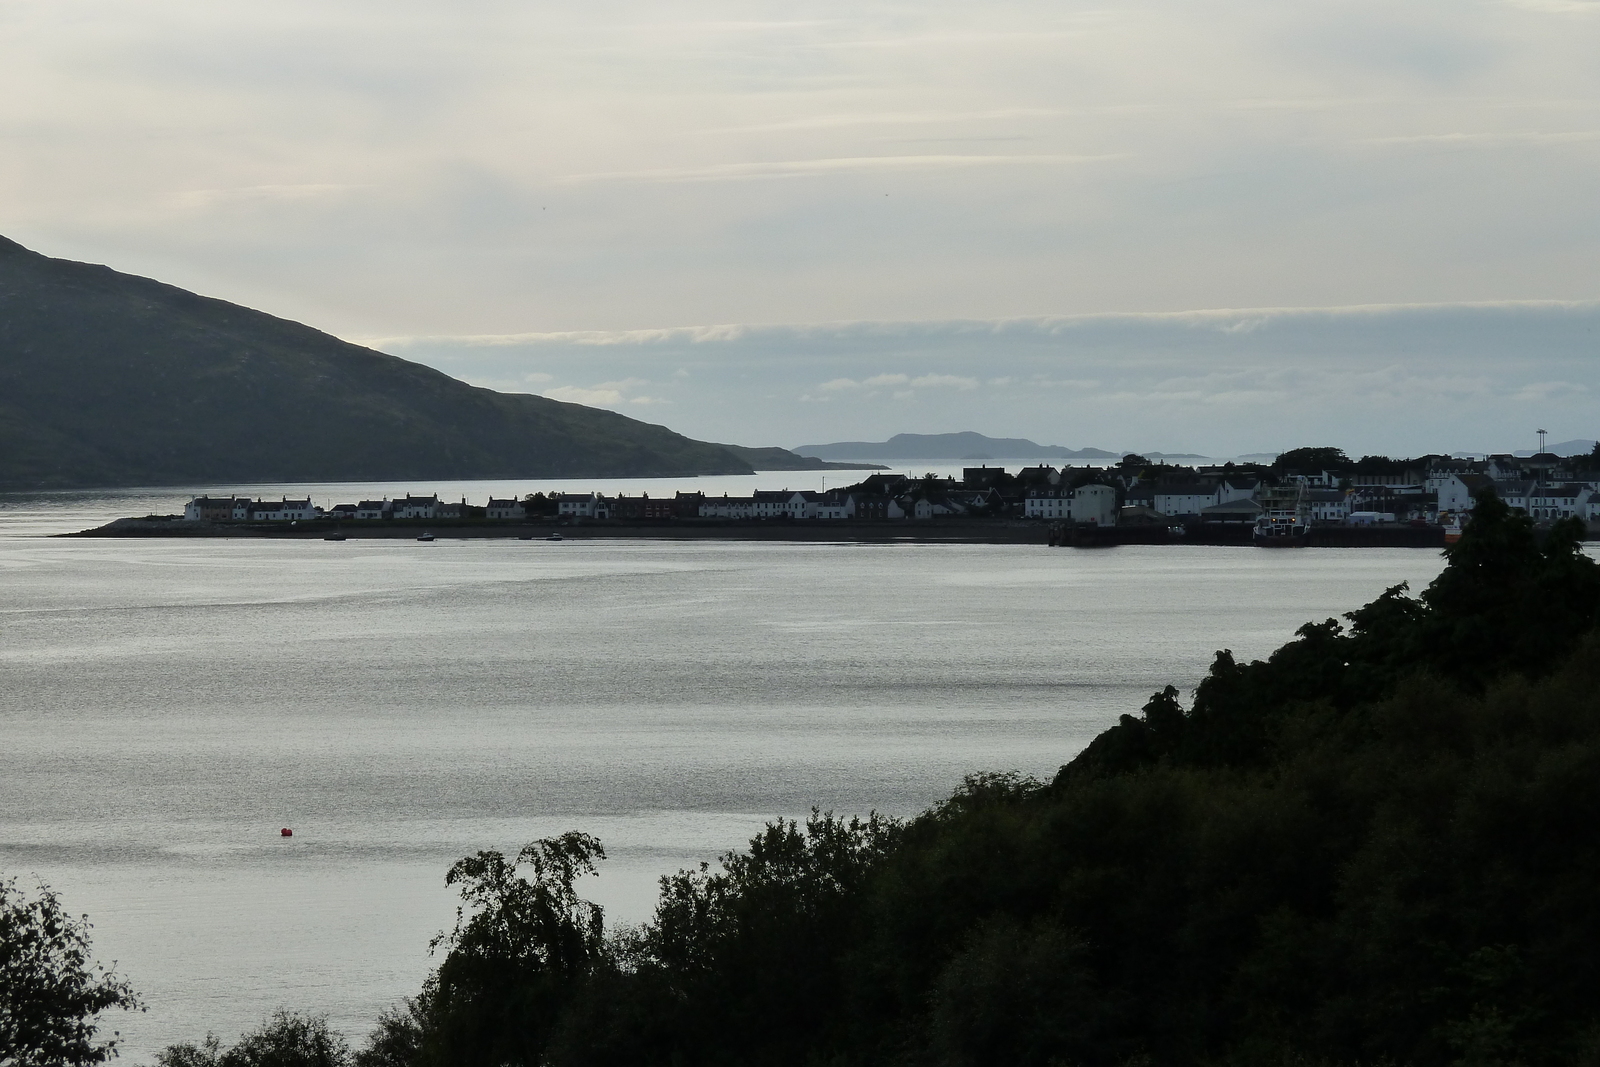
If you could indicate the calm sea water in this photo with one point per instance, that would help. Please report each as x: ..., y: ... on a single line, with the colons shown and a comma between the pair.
x: 167, y: 706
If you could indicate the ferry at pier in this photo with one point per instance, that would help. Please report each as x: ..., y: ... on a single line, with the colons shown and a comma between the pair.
x: 1284, y: 521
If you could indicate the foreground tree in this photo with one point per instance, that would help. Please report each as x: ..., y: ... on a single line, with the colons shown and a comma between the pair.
x: 288, y: 1039
x: 520, y: 951
x: 51, y: 991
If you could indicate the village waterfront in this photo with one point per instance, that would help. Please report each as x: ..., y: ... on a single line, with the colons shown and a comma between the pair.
x: 169, y: 705
x: 1306, y: 496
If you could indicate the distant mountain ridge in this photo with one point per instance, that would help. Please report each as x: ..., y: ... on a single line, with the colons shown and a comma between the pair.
x: 781, y: 459
x: 110, y: 379
x: 947, y: 447
x: 1581, y: 446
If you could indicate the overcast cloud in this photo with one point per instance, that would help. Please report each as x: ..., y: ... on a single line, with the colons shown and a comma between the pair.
x: 1398, y: 379
x: 413, y: 169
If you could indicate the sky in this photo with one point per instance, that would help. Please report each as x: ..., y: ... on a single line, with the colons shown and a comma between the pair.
x: 1214, y: 226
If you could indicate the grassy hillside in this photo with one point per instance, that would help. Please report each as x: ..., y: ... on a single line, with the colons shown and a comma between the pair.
x: 109, y: 379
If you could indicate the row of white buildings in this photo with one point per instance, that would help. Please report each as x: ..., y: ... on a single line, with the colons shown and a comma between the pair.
x: 1443, y: 493
x: 245, y: 509
x: 1542, y: 501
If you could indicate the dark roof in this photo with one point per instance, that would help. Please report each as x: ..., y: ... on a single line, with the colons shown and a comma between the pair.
x: 1232, y: 507
x: 1186, y: 487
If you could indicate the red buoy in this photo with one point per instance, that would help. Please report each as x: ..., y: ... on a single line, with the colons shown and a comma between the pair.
x: 286, y: 832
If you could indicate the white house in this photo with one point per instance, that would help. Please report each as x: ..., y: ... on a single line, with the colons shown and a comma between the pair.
x: 1051, y: 503
x: 282, y: 511
x: 1235, y: 487
x: 1095, y: 504
x: 927, y: 509
x: 416, y: 507
x: 504, y: 509
x: 805, y: 505
x: 836, y: 505
x: 1505, y: 468
x: 1456, y: 490
x: 1514, y: 492
x: 1548, y: 502
x: 727, y: 507
x: 783, y: 504
x: 211, y: 508
x: 581, y: 505
x: 1328, y: 505
x: 373, y: 509
x: 1186, y: 498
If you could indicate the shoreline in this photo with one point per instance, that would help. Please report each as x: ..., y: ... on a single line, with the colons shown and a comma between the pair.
x: 677, y: 530
x: 946, y: 531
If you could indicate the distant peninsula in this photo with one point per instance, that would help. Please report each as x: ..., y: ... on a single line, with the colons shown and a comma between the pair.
x: 966, y: 446
x: 108, y: 379
x: 948, y: 448
x: 781, y: 459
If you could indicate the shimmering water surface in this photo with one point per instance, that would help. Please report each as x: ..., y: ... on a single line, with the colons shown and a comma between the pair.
x: 167, y: 706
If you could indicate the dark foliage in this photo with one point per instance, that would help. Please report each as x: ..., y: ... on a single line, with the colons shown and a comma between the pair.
x: 51, y: 991
x: 519, y: 953
x: 110, y: 379
x: 287, y: 1039
x: 1310, y: 459
x: 397, y: 1042
x: 1380, y: 465
x: 1506, y: 603
x: 1375, y: 846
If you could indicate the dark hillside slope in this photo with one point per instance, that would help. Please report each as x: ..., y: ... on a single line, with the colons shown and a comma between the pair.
x: 110, y: 379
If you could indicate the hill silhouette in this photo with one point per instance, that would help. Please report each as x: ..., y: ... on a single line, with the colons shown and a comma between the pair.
x: 946, y: 447
x: 111, y: 379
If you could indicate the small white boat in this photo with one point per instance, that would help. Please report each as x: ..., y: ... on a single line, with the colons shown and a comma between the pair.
x: 555, y: 537
x: 425, y: 536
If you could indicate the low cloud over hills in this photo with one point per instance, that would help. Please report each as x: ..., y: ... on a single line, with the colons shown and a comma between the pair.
x: 1398, y: 379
